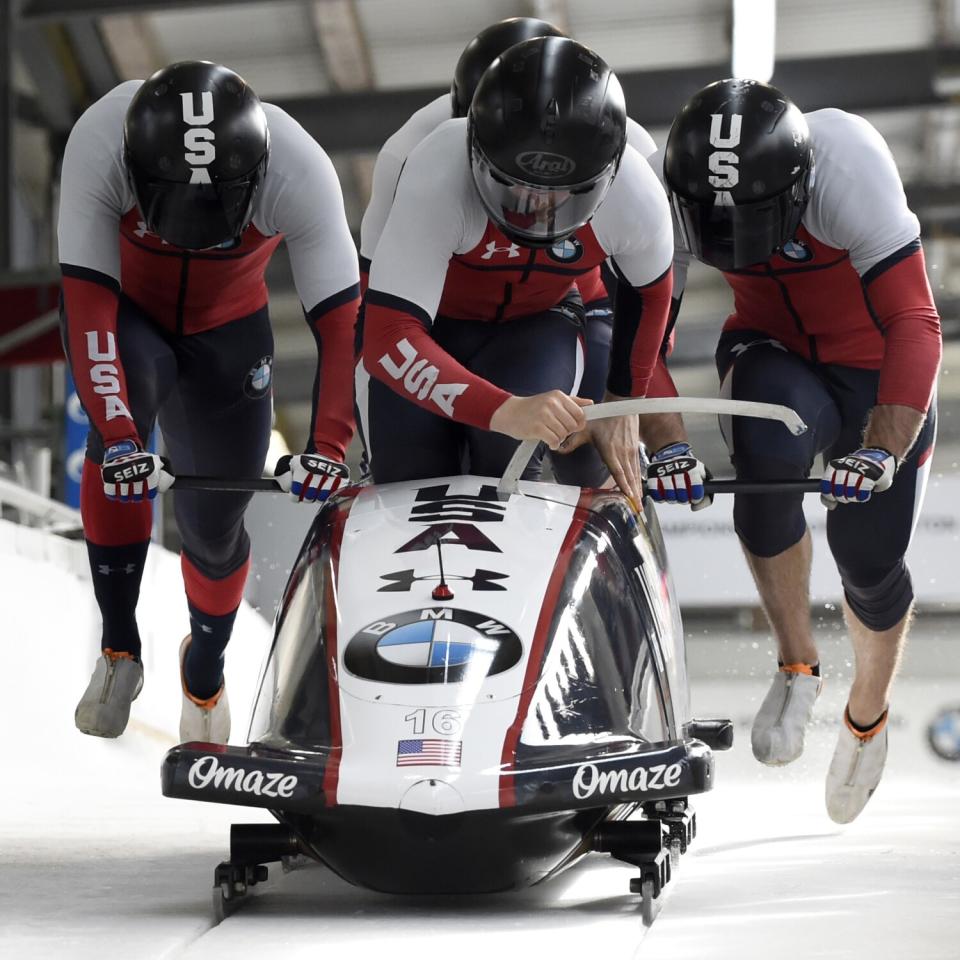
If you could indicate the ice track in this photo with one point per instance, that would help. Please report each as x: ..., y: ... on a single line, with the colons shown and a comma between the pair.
x: 94, y: 862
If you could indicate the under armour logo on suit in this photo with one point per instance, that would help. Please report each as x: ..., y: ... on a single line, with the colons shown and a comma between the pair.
x: 512, y: 251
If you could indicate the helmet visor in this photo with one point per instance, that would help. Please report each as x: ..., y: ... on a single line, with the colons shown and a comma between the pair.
x: 537, y: 215
x: 734, y: 237
x: 197, y: 216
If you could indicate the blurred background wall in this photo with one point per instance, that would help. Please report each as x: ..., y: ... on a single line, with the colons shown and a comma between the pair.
x: 352, y: 71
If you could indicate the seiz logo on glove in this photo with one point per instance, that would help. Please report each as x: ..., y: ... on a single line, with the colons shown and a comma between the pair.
x: 131, y: 475
x: 310, y: 477
x: 855, y: 477
x: 675, y: 475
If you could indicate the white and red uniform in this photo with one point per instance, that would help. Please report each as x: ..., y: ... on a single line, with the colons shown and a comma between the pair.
x: 153, y: 330
x: 440, y: 255
x: 840, y: 320
x: 852, y: 289
x: 393, y: 155
x: 104, y: 248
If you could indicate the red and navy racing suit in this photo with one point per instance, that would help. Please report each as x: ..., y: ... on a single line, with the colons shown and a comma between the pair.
x: 155, y: 331
x: 458, y: 318
x: 583, y: 466
x: 840, y: 320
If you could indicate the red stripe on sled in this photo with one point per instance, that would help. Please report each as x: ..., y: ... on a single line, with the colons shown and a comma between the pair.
x: 508, y: 797
x: 331, y: 776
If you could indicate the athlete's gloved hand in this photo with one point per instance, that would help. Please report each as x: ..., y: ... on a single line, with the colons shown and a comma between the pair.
x: 675, y: 475
x: 855, y: 477
x: 131, y: 474
x: 551, y: 417
x: 311, y: 477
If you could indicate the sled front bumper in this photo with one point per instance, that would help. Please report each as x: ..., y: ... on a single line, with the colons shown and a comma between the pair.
x: 301, y: 783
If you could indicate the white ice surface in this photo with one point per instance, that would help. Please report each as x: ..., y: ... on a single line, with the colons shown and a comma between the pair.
x: 95, y: 863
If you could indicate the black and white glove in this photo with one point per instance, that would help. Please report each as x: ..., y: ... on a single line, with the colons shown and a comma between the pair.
x: 857, y: 476
x: 131, y: 474
x: 675, y: 475
x: 310, y: 477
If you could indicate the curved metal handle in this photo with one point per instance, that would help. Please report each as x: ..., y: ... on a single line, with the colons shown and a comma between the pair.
x: 227, y: 484
x: 509, y: 482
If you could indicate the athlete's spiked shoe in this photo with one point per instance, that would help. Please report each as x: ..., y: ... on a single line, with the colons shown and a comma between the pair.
x: 780, y: 724
x: 104, y: 708
x: 855, y: 770
x: 204, y: 720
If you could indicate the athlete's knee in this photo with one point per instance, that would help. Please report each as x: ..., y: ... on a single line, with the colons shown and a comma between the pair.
x: 216, y: 555
x: 768, y: 523
x: 878, y: 599
x: 216, y: 593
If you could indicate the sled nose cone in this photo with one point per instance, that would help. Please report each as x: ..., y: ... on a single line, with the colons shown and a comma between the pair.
x: 432, y: 797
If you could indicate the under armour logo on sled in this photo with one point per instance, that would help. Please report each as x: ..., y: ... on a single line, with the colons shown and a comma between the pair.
x: 198, y: 140
x: 512, y: 251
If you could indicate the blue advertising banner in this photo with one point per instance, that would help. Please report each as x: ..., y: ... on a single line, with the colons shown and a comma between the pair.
x: 77, y: 425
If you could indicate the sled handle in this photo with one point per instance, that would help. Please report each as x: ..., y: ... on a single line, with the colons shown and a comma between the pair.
x: 714, y: 487
x: 227, y: 484
x: 510, y: 481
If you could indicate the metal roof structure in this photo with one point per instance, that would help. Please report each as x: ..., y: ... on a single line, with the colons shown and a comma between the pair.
x: 352, y: 71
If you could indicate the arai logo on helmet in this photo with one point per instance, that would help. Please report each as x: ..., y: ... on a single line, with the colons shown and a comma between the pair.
x: 545, y: 166
x: 724, y: 172
x: 591, y: 779
x: 199, y: 150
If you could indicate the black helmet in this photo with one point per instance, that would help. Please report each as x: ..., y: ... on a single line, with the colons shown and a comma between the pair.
x: 485, y: 47
x: 738, y: 166
x: 547, y: 128
x: 195, y: 144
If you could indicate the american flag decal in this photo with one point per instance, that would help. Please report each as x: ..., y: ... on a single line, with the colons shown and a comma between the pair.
x: 429, y: 753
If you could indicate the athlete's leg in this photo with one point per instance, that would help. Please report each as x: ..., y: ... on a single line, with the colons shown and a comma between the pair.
x: 771, y: 527
x: 869, y: 546
x: 526, y: 356
x: 118, y: 534
x: 218, y: 422
x: 584, y: 467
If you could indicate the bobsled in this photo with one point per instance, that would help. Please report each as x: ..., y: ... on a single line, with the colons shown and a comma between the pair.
x: 473, y: 683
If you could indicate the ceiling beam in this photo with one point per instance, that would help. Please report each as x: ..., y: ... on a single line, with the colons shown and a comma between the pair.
x: 90, y: 50
x: 346, y: 55
x: 44, y: 10
x: 363, y: 120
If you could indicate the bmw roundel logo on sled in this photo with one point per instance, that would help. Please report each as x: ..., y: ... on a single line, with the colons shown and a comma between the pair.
x: 566, y: 251
x: 257, y: 382
x: 943, y: 734
x: 797, y: 251
x: 432, y: 645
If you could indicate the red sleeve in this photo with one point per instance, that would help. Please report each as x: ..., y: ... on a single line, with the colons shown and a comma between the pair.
x: 398, y: 350
x: 90, y: 302
x: 333, y: 323
x: 640, y: 321
x: 901, y: 304
x: 661, y: 383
